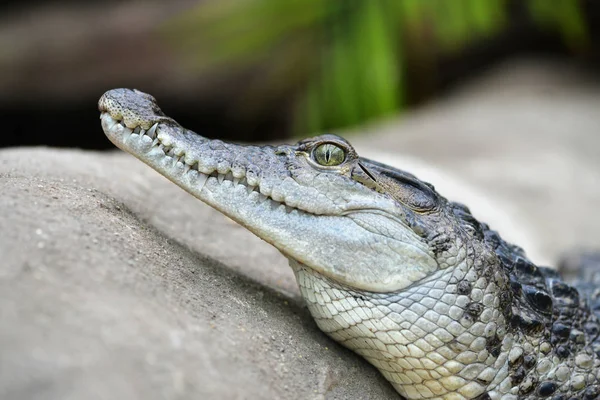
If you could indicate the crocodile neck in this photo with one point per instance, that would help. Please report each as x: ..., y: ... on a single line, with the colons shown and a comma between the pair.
x: 425, y: 347
x: 452, y: 336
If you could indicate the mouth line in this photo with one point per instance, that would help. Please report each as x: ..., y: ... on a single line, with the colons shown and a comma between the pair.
x: 201, y: 175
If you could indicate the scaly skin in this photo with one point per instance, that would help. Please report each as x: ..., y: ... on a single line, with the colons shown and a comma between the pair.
x: 434, y: 299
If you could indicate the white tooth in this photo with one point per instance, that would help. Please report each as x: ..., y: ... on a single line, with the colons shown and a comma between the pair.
x: 142, y: 132
x: 155, y: 142
x: 108, y: 121
x: 152, y: 131
x: 117, y: 129
x: 221, y: 178
x: 236, y: 181
x: 262, y: 198
x: 201, y: 181
x: 186, y: 168
x: 249, y: 189
x: 161, y: 147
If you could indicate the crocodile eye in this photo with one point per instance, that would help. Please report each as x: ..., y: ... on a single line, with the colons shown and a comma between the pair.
x: 329, y: 155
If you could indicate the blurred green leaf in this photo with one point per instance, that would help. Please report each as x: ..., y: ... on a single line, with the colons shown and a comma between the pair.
x: 488, y: 16
x: 565, y: 16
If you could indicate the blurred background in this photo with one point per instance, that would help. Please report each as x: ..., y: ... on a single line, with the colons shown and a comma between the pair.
x: 256, y: 70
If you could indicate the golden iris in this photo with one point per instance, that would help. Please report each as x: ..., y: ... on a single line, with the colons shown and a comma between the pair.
x: 329, y: 155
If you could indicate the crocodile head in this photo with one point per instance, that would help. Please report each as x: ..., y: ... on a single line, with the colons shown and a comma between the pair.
x: 358, y: 222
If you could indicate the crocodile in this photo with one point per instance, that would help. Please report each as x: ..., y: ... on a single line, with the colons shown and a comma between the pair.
x: 437, y: 301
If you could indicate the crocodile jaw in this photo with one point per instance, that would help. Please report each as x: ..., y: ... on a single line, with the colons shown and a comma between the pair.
x: 337, y: 236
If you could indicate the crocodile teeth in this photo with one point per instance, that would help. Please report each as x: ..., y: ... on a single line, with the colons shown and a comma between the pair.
x: 155, y: 142
x: 201, y: 181
x: 186, y: 168
x: 110, y: 123
x: 221, y: 178
x: 236, y: 181
x: 152, y: 131
x: 262, y: 198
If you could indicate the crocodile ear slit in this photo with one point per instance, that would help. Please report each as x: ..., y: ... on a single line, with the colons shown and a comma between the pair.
x: 366, y: 171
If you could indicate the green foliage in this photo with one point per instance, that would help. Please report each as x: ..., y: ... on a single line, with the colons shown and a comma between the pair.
x: 345, y: 61
x: 565, y: 16
x: 359, y: 78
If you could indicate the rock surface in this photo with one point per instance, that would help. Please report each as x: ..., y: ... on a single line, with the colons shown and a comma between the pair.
x: 114, y: 283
